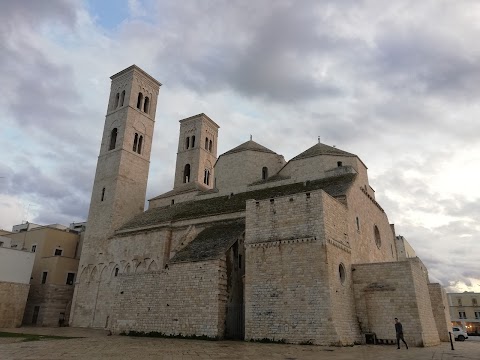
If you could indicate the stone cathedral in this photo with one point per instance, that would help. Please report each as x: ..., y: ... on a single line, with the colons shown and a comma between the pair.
x: 246, y: 245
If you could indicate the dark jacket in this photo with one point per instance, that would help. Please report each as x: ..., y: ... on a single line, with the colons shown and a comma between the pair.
x: 398, y: 328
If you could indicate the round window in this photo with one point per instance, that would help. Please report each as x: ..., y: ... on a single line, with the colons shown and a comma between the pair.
x: 341, y: 273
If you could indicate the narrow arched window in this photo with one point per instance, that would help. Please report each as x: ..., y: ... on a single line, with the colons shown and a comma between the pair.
x: 206, y: 143
x: 146, y: 104
x: 140, y: 143
x: 103, y: 194
x: 186, y: 173
x: 264, y: 173
x: 122, y: 98
x: 116, y: 271
x: 210, y: 145
x: 378, y: 239
x: 206, y: 177
x: 139, y: 101
x: 187, y: 142
x: 113, y: 139
x: 116, y: 100
x: 193, y: 141
x: 135, y: 142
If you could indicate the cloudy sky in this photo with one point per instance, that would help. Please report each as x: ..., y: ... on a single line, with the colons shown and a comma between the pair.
x: 396, y: 83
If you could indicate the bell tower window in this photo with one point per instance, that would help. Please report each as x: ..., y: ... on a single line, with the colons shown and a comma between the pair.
x: 122, y: 98
x: 140, y: 143
x: 193, y: 141
x: 135, y: 142
x: 206, y: 177
x: 117, y: 97
x: 103, y: 194
x: 139, y: 101
x: 187, y: 142
x: 113, y: 139
x: 210, y: 144
x: 206, y: 143
x: 186, y: 173
x: 146, y: 104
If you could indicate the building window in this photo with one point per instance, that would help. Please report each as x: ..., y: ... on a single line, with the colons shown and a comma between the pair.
x: 341, y: 273
x: 339, y: 163
x: 459, y: 302
x: 378, y: 240
x: 135, y: 142
x: 264, y: 173
x: 173, y: 201
x: 103, y: 194
x: 461, y: 315
x: 239, y: 261
x: 58, y: 252
x: 44, y: 277
x: 358, y: 223
x: 193, y: 141
x: 206, y: 177
x: 187, y: 142
x: 1, y: 243
x: 113, y: 139
x: 474, y: 302
x: 139, y: 101
x: 117, y: 97
x: 122, y: 98
x: 70, y: 278
x: 116, y: 271
x: 186, y: 173
x: 146, y: 105
x: 140, y: 143
x: 206, y: 143
x: 477, y: 314
x: 210, y: 145
x: 34, y: 248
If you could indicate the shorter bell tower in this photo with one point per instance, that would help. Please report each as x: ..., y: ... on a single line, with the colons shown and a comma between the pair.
x: 197, y: 152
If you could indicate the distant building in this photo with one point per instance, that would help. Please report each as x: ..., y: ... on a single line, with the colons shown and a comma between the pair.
x: 15, y: 269
x: 465, y: 310
x: 56, y: 249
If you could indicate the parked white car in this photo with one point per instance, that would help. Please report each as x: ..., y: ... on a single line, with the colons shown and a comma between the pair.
x: 459, y: 334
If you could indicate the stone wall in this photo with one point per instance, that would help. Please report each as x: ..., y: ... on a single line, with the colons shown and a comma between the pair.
x: 13, y: 297
x: 361, y: 237
x: 440, y: 308
x: 186, y: 298
x: 287, y: 293
x: 235, y: 171
x: 384, y: 291
x: 339, y: 267
x: 54, y: 302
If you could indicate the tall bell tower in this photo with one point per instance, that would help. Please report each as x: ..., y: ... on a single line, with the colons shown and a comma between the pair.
x: 197, y: 153
x: 120, y: 184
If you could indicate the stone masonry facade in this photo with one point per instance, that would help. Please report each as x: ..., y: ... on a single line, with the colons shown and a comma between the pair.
x: 13, y: 298
x: 297, y: 251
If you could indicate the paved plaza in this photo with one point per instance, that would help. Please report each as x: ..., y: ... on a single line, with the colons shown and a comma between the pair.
x: 95, y: 344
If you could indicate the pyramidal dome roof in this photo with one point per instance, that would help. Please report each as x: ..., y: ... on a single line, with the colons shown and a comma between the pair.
x: 322, y: 149
x: 249, y: 145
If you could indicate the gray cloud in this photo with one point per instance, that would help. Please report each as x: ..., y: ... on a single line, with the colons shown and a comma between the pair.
x: 385, y: 81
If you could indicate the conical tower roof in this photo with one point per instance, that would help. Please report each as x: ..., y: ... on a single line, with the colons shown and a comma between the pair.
x: 249, y: 145
x: 321, y: 149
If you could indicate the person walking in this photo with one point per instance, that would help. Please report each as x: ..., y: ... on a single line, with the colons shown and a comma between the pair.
x: 399, y: 331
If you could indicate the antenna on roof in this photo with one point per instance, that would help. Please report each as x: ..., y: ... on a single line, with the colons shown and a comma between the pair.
x: 251, y: 137
x: 319, y: 139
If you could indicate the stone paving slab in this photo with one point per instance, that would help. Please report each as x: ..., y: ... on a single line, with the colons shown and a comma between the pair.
x: 96, y: 345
